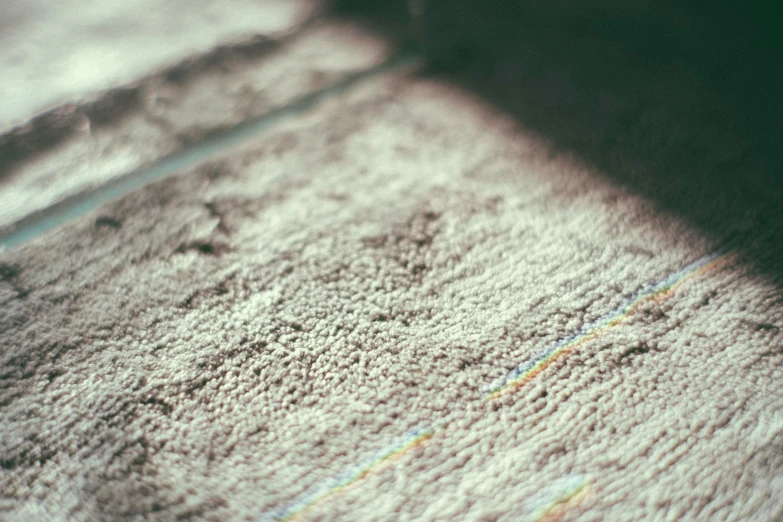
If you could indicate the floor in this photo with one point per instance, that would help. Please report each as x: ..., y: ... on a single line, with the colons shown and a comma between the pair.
x: 278, y: 266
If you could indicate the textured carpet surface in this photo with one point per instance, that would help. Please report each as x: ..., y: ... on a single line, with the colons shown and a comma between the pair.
x: 552, y: 290
x: 313, y: 326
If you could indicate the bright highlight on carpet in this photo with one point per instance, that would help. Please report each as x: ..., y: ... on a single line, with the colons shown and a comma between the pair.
x: 341, y: 482
x: 577, y: 487
x: 528, y: 370
x: 555, y: 500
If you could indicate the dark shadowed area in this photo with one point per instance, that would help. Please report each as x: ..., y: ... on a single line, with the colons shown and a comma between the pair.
x: 679, y: 101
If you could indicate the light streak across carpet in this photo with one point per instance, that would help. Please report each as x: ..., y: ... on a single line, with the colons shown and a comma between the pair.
x: 526, y: 371
x: 558, y: 498
x: 518, y: 377
x: 310, y: 498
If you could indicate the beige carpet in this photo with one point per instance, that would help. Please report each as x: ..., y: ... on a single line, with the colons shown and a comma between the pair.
x: 256, y: 337
x: 404, y: 305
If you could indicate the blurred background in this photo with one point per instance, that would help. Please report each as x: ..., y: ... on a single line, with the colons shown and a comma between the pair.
x: 680, y: 101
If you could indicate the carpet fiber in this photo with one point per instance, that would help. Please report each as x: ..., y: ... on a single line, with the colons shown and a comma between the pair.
x: 402, y: 306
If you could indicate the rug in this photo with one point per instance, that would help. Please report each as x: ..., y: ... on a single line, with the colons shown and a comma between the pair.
x: 401, y: 307
x: 404, y: 304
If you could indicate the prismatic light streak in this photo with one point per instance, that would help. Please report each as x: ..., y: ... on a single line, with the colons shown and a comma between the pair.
x: 517, y: 378
x: 528, y: 370
x: 555, y: 500
x: 347, y: 479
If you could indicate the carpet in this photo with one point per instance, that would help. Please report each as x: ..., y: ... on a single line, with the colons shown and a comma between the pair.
x: 403, y: 304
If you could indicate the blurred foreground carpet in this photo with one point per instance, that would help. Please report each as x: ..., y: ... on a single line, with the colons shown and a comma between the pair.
x: 404, y: 304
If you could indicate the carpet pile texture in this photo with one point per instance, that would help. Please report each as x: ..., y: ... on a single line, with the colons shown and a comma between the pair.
x: 403, y: 304
x: 401, y: 307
